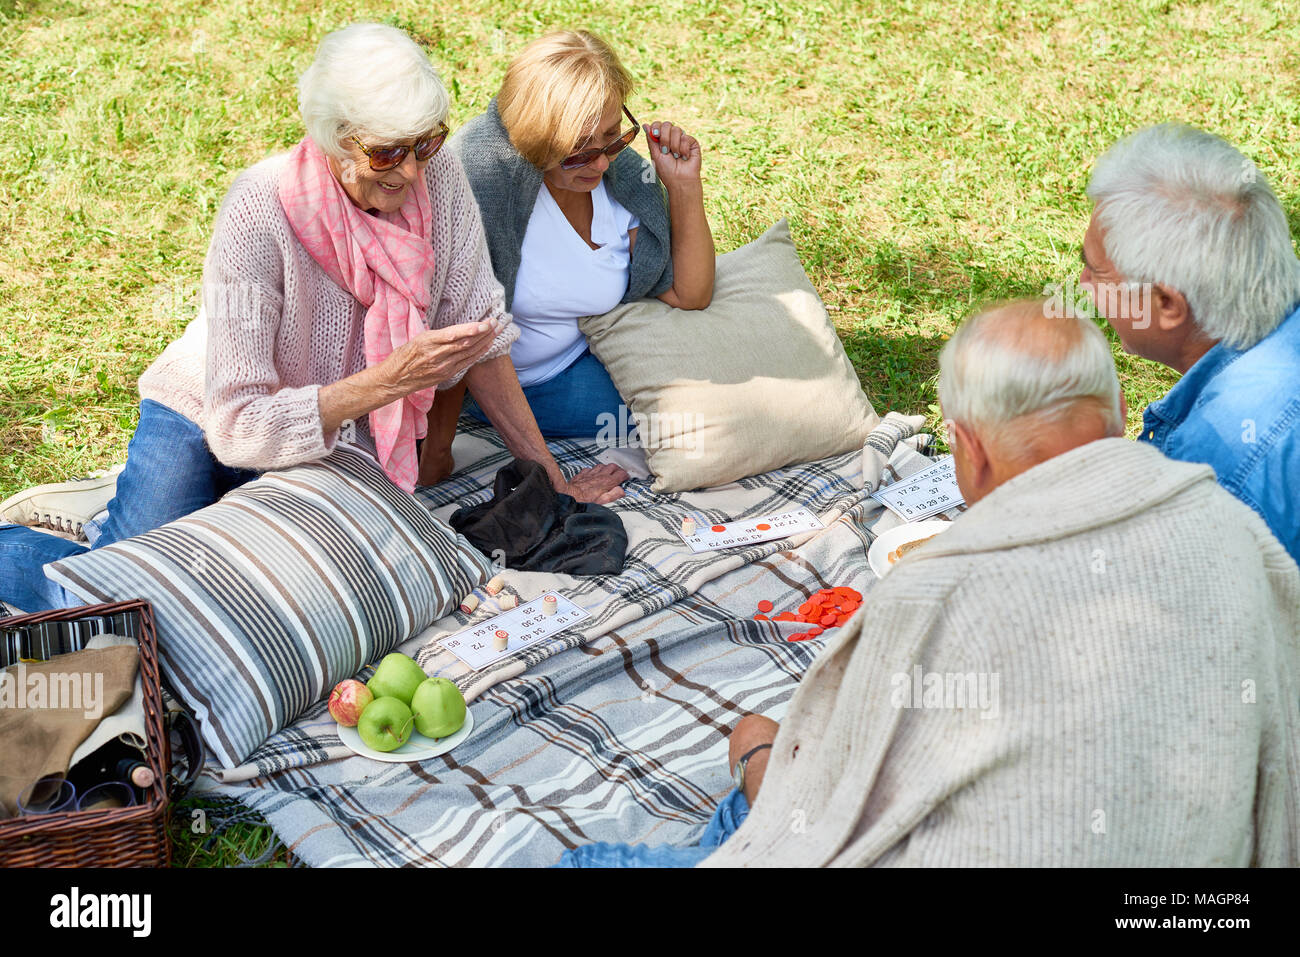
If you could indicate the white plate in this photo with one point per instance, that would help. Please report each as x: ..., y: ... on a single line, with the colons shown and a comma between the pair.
x: 878, y: 554
x: 417, y: 747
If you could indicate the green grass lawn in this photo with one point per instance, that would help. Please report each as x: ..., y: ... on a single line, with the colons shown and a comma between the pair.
x: 930, y: 156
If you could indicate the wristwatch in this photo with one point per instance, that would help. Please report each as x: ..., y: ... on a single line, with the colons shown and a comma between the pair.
x: 738, y: 772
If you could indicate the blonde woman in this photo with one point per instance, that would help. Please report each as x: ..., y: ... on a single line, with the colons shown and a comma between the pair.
x: 576, y: 221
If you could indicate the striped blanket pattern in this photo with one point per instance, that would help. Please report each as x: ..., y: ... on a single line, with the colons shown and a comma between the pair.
x: 622, y: 738
x: 659, y: 568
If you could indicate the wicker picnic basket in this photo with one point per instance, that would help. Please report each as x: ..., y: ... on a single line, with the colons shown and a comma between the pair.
x: 121, y: 837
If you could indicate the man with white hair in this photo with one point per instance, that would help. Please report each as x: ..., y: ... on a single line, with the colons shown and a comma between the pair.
x: 1189, y: 258
x: 1095, y: 665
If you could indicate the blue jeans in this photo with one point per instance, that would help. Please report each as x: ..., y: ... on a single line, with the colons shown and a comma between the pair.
x: 726, y: 820
x: 570, y: 404
x: 170, y: 472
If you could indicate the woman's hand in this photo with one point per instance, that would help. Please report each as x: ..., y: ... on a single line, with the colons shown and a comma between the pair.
x: 495, y: 387
x: 437, y: 355
x: 599, y: 484
x: 431, y: 357
x: 676, y: 154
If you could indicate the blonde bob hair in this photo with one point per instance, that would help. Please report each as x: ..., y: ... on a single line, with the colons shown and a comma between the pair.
x: 556, y: 91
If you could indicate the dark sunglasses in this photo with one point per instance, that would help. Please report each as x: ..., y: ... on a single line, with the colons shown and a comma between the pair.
x: 579, y: 160
x: 388, y: 157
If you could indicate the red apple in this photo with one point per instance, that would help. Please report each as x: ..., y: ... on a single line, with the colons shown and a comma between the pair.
x: 348, y: 699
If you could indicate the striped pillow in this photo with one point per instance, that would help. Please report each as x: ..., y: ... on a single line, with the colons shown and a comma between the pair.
x: 267, y: 599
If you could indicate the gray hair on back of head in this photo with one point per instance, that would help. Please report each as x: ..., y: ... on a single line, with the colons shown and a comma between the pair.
x: 370, y: 80
x: 1184, y: 208
x: 1018, y: 359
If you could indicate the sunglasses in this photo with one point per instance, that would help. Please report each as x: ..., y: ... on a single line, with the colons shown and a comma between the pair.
x: 388, y: 157
x: 579, y: 160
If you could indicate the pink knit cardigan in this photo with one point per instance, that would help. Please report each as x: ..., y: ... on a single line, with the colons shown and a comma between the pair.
x: 274, y: 327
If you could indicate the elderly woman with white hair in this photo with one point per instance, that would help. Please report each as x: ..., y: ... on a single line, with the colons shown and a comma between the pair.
x: 1095, y: 665
x: 1189, y: 257
x: 346, y: 282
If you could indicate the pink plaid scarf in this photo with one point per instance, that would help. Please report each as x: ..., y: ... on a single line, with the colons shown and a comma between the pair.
x: 386, y: 263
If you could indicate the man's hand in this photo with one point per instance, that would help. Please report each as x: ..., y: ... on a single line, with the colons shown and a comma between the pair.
x: 599, y: 484
x: 749, y: 732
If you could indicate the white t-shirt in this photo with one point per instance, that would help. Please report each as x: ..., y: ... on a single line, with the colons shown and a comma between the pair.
x: 561, y: 279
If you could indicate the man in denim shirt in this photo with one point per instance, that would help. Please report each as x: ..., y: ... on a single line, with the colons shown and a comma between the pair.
x: 1189, y: 258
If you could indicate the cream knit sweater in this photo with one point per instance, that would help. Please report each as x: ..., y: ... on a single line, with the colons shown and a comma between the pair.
x: 1143, y: 627
x: 274, y: 327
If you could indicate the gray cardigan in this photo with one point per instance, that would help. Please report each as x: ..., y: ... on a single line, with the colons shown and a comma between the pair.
x: 506, y: 185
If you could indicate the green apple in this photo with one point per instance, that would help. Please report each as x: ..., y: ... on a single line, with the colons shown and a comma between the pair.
x: 396, y: 677
x: 439, y: 708
x: 386, y: 724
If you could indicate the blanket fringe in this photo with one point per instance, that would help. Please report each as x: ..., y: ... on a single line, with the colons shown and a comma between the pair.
x: 221, y: 814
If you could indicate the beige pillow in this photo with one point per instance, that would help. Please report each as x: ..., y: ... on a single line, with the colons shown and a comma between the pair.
x: 755, y: 382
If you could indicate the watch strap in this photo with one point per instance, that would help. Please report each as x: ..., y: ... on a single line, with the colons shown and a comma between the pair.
x: 744, y: 758
x: 738, y: 769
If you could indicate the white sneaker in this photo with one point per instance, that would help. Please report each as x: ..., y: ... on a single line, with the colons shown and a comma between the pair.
x: 62, y: 506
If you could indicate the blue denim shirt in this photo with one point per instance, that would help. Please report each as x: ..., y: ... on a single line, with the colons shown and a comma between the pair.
x: 1239, y: 413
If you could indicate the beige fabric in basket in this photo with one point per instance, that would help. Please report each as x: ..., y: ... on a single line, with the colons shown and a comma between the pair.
x: 39, y: 735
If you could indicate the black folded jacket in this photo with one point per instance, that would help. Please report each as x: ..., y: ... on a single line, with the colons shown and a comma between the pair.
x: 542, y: 530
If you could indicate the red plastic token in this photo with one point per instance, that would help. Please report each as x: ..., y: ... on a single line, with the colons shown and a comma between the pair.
x: 765, y: 605
x: 763, y: 528
x: 719, y: 528
x: 786, y: 616
x: 761, y: 618
x: 797, y: 636
x: 815, y: 631
x: 828, y: 619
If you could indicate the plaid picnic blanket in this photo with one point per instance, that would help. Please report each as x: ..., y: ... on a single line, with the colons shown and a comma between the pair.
x: 622, y: 738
